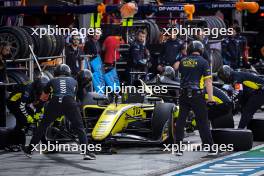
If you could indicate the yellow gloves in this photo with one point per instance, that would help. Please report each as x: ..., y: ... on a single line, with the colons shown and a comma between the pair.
x: 30, y: 119
x: 37, y: 116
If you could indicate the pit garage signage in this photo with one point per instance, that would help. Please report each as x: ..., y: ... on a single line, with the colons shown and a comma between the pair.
x: 178, y: 8
x: 223, y: 5
x: 238, y: 164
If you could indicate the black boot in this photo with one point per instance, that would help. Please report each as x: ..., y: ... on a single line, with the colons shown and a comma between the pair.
x: 27, y: 151
x: 89, y: 156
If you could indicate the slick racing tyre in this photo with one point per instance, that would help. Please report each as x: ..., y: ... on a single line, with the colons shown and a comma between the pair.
x: 163, y: 122
x: 217, y: 60
x: 225, y: 121
x: 15, y: 76
x: 9, y: 136
x: 34, y: 37
x: 241, y: 139
x: 257, y: 128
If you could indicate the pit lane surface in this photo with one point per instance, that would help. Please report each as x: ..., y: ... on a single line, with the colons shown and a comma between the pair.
x: 128, y: 161
x: 238, y: 164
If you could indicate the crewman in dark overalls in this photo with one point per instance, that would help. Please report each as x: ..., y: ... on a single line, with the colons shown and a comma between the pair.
x: 252, y: 88
x: 84, y: 79
x: 233, y: 49
x: 195, y: 72
x: 139, y: 55
x: 20, y: 103
x: 172, y: 51
x: 63, y: 89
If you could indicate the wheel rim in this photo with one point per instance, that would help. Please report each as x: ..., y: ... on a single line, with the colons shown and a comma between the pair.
x: 12, y: 41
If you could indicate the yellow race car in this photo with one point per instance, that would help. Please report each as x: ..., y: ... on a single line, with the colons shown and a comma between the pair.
x: 137, y: 118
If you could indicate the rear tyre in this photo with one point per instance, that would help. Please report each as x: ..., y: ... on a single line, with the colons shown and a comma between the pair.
x: 240, y: 139
x: 225, y: 121
x: 257, y: 128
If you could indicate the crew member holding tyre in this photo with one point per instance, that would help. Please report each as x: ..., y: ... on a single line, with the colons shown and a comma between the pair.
x: 20, y: 103
x: 63, y: 88
x: 195, y: 72
x: 252, y: 88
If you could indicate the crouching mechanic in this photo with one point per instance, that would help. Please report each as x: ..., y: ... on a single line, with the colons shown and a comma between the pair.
x: 63, y: 91
x: 252, y: 89
x: 194, y: 71
x: 20, y: 103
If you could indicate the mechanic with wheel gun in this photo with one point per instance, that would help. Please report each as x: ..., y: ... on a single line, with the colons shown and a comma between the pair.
x: 63, y: 90
x: 195, y: 72
x: 252, y: 89
x: 20, y: 103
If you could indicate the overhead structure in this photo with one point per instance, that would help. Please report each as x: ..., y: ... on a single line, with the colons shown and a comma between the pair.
x: 189, y: 9
x: 252, y: 7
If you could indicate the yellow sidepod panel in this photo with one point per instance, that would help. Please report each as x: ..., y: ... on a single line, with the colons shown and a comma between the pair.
x: 115, y: 119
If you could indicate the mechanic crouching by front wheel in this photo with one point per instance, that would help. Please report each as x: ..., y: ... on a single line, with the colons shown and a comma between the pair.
x: 252, y: 91
x: 63, y: 92
x: 20, y: 103
x: 194, y: 71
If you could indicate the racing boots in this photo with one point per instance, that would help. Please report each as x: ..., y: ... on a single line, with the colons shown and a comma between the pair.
x: 89, y: 156
x: 27, y: 151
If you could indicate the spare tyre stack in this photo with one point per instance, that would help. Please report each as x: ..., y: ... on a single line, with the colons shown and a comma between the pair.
x: 19, y: 38
x: 154, y: 32
x: 215, y: 22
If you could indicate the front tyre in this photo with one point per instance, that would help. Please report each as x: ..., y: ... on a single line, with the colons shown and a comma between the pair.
x: 163, y: 122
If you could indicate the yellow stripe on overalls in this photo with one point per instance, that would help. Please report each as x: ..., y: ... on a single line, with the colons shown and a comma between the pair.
x: 216, y: 99
x: 96, y: 24
x: 127, y: 22
x: 251, y: 85
x: 16, y: 97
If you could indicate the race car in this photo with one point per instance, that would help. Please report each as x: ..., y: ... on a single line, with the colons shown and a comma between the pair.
x: 137, y: 118
x: 134, y: 119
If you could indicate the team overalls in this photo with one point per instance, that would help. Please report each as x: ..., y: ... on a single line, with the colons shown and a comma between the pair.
x: 193, y: 70
x: 252, y: 97
x: 63, y: 92
x: 20, y: 103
